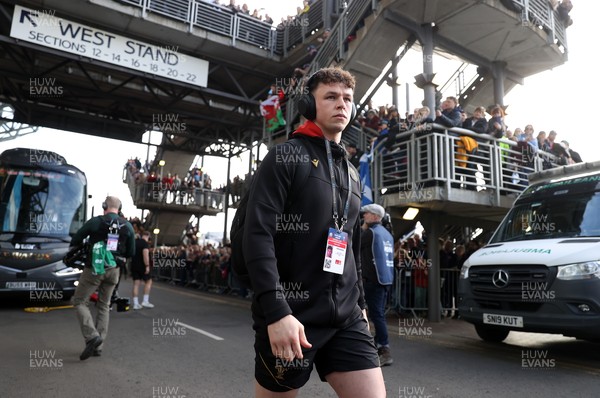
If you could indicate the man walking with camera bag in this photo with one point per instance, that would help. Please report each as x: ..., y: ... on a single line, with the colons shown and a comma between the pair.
x: 112, y: 240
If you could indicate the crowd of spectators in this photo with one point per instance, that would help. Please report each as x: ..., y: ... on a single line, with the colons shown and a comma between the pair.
x: 195, y: 188
x: 197, y: 263
x: 155, y: 185
x: 204, y: 266
x: 258, y: 13
x: 386, y: 122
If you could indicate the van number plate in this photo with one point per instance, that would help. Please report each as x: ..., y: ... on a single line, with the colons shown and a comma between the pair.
x: 503, y: 320
x: 20, y: 285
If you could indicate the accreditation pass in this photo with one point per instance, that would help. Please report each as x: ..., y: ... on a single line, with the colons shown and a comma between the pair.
x: 335, y: 252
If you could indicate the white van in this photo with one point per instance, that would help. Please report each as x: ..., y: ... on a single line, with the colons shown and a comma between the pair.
x: 540, y: 272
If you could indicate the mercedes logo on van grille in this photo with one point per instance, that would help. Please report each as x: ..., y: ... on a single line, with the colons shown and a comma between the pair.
x: 500, y: 278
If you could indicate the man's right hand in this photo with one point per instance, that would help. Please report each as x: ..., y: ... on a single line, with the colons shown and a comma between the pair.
x: 287, y: 338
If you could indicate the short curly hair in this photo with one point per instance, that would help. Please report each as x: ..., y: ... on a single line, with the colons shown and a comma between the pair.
x: 329, y: 76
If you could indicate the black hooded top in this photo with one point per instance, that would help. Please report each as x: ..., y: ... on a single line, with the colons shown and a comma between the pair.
x: 285, y: 241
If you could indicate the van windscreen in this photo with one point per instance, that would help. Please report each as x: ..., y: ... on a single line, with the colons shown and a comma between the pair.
x: 557, y: 216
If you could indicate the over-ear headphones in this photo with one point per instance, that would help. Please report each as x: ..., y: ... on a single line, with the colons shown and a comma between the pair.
x: 307, y: 105
x: 105, y: 206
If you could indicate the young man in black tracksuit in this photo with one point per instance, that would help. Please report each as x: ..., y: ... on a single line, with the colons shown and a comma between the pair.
x: 308, y: 309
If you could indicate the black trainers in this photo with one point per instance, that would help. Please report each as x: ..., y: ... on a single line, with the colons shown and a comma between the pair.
x: 90, y: 346
x: 385, y: 356
x: 97, y: 353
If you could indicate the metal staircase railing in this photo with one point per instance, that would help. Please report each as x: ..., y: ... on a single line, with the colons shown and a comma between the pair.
x: 333, y: 48
x: 464, y: 83
x: 472, y: 87
x: 407, y: 46
x: 455, y: 85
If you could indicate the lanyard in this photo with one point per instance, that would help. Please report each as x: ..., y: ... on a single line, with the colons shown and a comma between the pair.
x: 333, y: 188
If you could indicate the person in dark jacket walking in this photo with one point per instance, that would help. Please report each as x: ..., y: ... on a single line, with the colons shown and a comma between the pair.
x: 114, y: 236
x: 309, y: 309
x: 377, y: 255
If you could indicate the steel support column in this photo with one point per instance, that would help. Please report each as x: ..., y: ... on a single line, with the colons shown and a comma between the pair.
x: 499, y: 74
x: 433, y: 229
x: 226, y: 199
x: 428, y: 87
x: 395, y: 88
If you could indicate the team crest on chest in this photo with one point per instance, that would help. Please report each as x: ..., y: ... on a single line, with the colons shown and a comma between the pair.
x: 353, y: 174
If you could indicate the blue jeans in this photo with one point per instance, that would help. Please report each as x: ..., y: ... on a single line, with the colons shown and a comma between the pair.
x: 376, y: 296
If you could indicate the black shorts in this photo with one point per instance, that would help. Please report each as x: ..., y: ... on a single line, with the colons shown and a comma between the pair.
x: 140, y: 274
x: 333, y: 350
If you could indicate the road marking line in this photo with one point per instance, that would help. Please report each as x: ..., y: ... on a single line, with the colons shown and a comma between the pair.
x: 203, y: 296
x: 212, y: 336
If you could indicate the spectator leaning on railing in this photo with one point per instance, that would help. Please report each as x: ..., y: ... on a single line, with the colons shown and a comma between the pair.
x: 449, y: 114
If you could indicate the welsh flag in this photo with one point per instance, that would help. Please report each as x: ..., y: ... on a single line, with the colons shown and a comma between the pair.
x: 271, y: 111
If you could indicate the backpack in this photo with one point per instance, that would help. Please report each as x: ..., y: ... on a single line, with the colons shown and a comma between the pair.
x: 113, y: 233
x: 236, y: 234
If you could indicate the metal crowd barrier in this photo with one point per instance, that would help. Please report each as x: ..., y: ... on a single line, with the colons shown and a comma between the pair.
x: 170, y: 264
x: 207, y: 277
x: 409, y: 296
